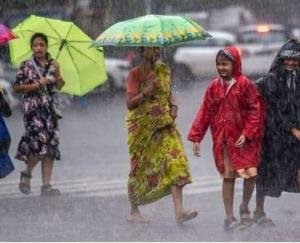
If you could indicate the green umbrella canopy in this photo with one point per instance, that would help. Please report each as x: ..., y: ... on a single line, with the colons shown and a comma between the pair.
x: 151, y: 30
x: 81, y: 67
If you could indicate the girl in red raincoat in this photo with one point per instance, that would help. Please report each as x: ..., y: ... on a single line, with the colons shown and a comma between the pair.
x: 232, y: 110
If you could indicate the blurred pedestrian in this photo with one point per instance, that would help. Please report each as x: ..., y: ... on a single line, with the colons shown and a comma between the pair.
x: 158, y: 162
x: 37, y: 79
x: 6, y: 165
x: 232, y: 110
x: 280, y: 165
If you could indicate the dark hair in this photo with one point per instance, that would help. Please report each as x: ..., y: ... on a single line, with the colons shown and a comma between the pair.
x: 39, y: 35
x: 142, y: 49
x: 225, y: 54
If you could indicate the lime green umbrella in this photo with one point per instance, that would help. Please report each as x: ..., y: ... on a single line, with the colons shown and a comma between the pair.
x: 81, y: 67
x: 151, y: 30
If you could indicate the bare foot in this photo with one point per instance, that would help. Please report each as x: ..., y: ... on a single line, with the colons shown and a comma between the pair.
x: 186, y: 215
x: 137, y: 217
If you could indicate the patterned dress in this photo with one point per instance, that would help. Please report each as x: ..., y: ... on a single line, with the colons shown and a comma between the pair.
x: 41, y: 136
x: 157, y: 157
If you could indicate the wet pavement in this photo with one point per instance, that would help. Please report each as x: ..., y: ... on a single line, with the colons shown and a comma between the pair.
x: 92, y: 176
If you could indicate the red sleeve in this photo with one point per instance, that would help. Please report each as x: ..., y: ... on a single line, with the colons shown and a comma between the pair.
x: 255, y: 114
x: 132, y: 83
x: 203, y: 118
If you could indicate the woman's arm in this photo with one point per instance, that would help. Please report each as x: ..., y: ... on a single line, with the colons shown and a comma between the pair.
x: 134, y: 100
x: 60, y: 83
x: 26, y: 88
x: 20, y: 85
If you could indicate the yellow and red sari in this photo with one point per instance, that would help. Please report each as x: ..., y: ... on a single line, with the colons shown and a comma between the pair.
x: 157, y: 157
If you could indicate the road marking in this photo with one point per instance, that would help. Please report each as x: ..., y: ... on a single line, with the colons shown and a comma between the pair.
x: 94, y: 187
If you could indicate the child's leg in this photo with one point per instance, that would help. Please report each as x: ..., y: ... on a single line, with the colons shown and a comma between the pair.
x: 228, y: 192
x: 248, y: 188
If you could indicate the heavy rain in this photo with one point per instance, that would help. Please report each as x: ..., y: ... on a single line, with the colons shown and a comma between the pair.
x: 117, y: 150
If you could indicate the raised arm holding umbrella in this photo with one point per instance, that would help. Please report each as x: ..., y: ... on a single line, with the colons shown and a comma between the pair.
x: 81, y: 69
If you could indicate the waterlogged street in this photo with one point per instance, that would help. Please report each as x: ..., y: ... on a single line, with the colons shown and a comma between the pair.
x: 92, y: 177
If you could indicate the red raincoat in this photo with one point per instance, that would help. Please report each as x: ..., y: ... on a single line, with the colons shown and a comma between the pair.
x: 229, y: 115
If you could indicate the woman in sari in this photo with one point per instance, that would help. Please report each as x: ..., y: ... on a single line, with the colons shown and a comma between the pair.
x: 159, y: 166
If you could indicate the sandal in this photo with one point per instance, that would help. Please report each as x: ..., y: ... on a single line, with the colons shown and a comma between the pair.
x: 261, y: 219
x: 245, y: 217
x: 47, y: 190
x: 186, y: 216
x: 231, y: 224
x: 24, y: 185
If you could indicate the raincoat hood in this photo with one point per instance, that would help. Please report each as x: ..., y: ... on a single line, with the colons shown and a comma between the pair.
x: 291, y: 49
x: 233, y: 54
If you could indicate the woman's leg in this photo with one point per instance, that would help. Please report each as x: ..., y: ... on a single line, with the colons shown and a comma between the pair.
x: 228, y: 193
x: 181, y: 214
x: 31, y: 163
x: 47, y: 169
x: 136, y: 216
x: 260, y: 202
x: 177, y: 200
x: 25, y: 177
x: 259, y: 213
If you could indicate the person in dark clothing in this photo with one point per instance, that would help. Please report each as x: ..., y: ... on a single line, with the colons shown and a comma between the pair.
x: 279, y: 170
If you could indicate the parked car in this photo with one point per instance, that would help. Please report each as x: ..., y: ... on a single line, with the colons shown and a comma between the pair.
x: 200, y: 56
x: 259, y: 45
x: 117, y: 72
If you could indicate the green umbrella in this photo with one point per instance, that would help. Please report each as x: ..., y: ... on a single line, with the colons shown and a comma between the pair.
x: 81, y: 67
x: 151, y: 30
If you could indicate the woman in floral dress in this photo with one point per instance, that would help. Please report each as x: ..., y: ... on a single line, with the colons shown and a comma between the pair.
x: 41, y: 138
x: 158, y: 163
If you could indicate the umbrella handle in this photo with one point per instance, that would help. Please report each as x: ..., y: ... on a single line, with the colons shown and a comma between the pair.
x: 63, y: 42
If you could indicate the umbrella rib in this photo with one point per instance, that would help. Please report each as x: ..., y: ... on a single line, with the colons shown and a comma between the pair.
x: 75, y: 41
x: 75, y: 48
x: 64, y: 39
x: 50, y: 36
x: 77, y: 69
x: 47, y: 21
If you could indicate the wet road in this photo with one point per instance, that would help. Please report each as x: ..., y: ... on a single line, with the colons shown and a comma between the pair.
x: 92, y: 175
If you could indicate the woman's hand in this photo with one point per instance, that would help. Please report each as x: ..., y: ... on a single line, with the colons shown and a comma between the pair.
x: 43, y: 82
x: 296, y: 133
x: 196, y: 149
x: 173, y: 111
x: 151, y: 86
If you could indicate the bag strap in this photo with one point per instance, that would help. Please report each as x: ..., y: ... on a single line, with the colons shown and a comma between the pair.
x: 33, y: 62
x: 36, y: 67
